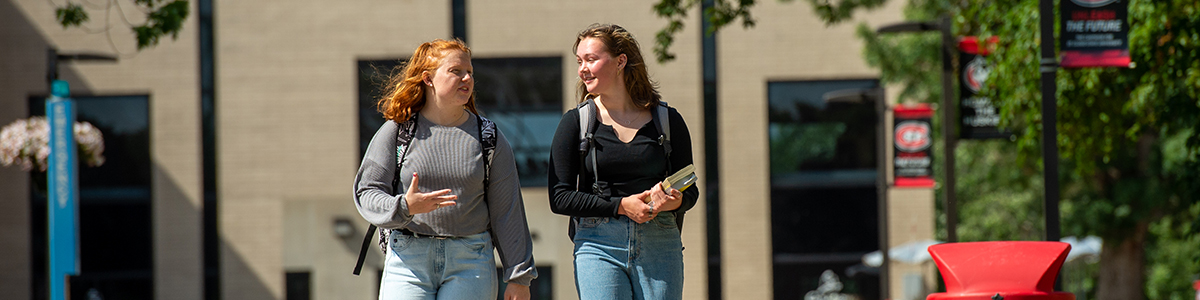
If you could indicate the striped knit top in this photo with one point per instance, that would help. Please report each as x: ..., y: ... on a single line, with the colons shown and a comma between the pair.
x: 449, y: 158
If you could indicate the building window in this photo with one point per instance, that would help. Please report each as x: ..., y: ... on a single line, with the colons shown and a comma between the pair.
x: 372, y: 75
x: 523, y: 95
x: 299, y: 285
x: 115, y: 238
x: 823, y: 198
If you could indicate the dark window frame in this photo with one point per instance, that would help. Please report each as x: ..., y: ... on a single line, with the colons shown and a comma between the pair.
x: 823, y: 197
x: 523, y: 95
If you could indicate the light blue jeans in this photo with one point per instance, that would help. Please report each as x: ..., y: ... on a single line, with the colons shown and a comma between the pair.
x: 430, y: 268
x: 617, y: 258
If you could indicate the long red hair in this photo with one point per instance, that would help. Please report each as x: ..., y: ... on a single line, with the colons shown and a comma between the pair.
x: 404, y: 94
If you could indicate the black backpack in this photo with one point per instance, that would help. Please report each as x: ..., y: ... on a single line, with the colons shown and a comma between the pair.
x: 587, y: 125
x: 487, y: 140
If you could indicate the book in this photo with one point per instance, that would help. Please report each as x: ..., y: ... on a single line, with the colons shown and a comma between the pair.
x: 681, y: 180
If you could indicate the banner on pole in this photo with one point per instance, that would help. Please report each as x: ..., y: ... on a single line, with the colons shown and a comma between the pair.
x: 1095, y: 33
x: 62, y: 185
x: 978, y: 117
x: 913, y: 160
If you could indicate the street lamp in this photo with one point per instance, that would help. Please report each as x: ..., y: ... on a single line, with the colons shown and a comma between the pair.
x: 1049, y: 70
x: 875, y: 96
x: 53, y: 57
x: 947, y: 111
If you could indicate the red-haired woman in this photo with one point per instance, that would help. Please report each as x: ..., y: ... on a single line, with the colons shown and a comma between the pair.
x: 441, y: 202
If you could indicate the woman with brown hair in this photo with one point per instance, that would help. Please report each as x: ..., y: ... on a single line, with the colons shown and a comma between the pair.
x: 625, y: 226
x: 440, y: 227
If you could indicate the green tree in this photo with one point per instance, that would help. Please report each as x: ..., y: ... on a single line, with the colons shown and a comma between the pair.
x: 1128, y: 138
x: 163, y: 17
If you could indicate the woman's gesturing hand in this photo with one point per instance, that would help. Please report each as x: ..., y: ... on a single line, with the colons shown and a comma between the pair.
x: 419, y: 203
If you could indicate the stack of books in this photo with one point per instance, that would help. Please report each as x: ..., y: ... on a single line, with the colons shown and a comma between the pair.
x: 681, y: 180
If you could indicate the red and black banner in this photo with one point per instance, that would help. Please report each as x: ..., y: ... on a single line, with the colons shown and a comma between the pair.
x: 913, y: 140
x: 1095, y: 33
x: 978, y: 117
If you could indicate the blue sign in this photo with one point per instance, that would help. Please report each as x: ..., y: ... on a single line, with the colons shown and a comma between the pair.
x: 62, y: 187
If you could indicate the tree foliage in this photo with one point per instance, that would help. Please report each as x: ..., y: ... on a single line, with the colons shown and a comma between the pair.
x: 71, y: 15
x: 1128, y: 140
x: 723, y: 12
x: 1113, y: 122
x: 163, y: 17
x: 675, y: 11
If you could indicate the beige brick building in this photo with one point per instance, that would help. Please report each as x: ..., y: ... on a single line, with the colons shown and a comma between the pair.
x: 285, y: 123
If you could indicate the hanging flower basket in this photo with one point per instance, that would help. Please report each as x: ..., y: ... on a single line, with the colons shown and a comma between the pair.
x: 25, y: 143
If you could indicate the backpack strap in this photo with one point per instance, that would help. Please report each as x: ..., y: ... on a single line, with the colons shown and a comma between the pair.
x: 587, y: 124
x: 587, y: 140
x: 662, y: 119
x: 487, y: 144
x: 404, y: 136
x: 587, y: 117
x: 663, y: 122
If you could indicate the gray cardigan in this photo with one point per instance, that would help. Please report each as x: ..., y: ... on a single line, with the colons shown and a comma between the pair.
x: 449, y: 157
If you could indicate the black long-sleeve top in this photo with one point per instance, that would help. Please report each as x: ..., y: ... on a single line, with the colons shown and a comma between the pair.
x: 627, y: 168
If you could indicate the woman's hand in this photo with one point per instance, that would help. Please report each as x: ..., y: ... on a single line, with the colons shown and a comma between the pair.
x: 419, y: 203
x: 635, y: 207
x: 664, y: 201
x: 516, y: 291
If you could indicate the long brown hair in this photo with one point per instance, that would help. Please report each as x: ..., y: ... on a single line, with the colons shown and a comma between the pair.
x: 617, y: 41
x: 404, y: 94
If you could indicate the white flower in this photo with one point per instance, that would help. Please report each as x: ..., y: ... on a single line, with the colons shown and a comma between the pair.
x: 91, y: 144
x: 25, y: 143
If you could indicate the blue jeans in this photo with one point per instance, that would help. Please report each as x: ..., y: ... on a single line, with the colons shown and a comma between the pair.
x: 430, y: 268
x: 617, y: 258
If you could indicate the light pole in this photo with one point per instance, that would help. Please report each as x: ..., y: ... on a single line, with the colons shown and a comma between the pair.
x: 1049, y: 70
x: 874, y: 96
x: 62, y: 177
x: 53, y: 57
x: 947, y: 112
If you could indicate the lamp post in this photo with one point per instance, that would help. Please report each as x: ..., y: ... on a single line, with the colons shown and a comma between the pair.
x: 62, y: 177
x: 947, y: 112
x: 53, y: 57
x: 875, y: 96
x: 1049, y: 70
